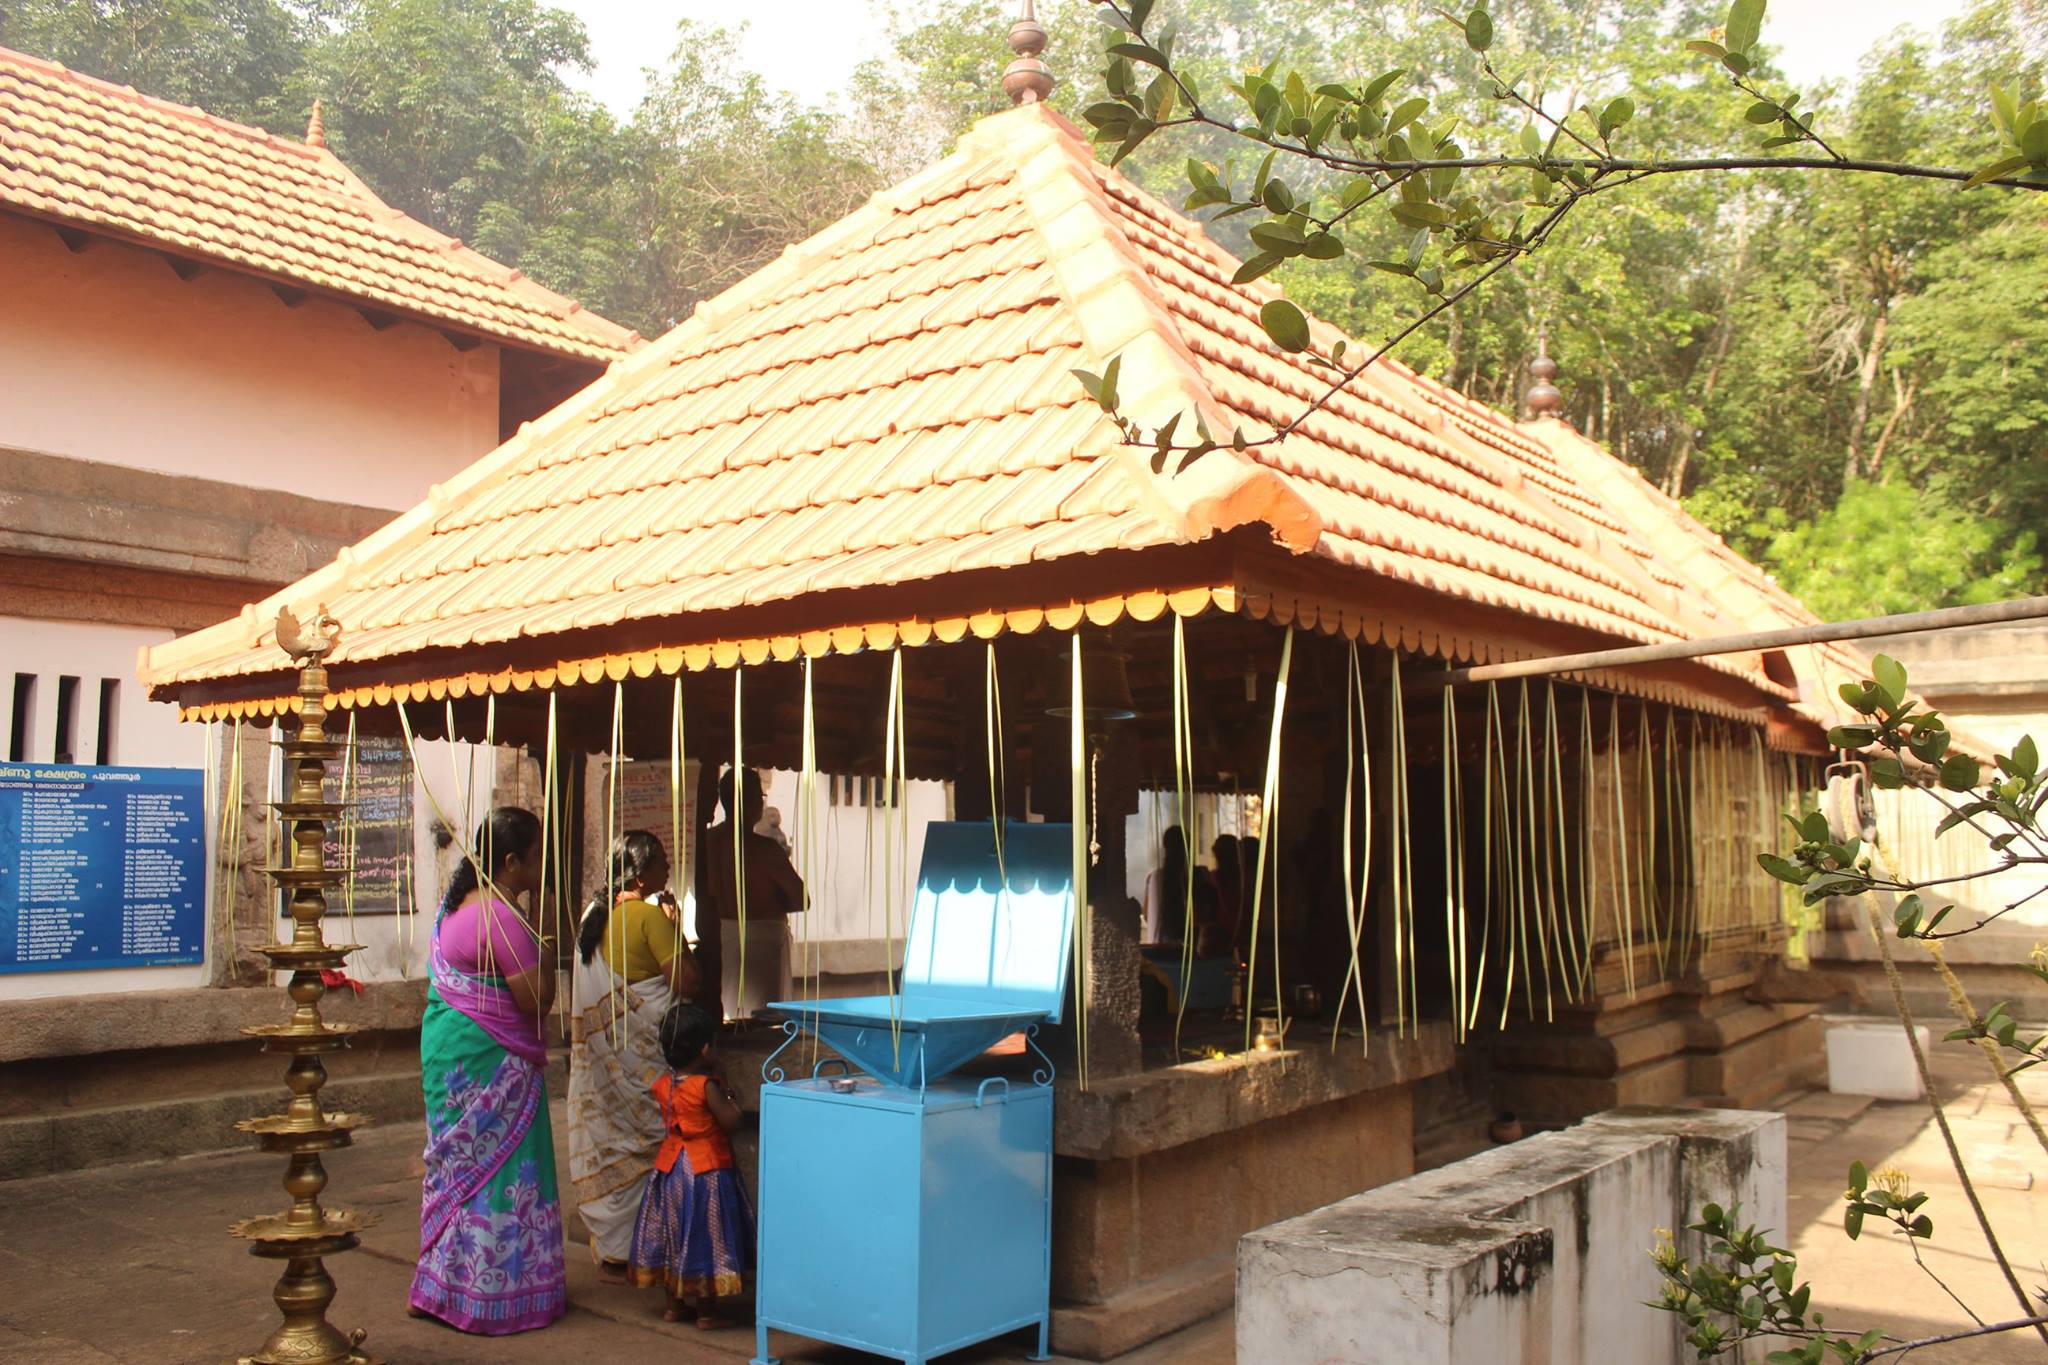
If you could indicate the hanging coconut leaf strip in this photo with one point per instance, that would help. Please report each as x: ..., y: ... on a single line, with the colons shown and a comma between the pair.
x: 1454, y: 872
x: 1357, y: 862
x: 1077, y: 756
x: 1183, y: 798
x: 1270, y: 795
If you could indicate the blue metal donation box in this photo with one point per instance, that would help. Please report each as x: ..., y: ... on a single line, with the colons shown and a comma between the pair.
x: 905, y: 1211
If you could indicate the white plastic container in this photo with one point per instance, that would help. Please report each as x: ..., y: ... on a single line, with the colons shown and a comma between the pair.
x: 1873, y: 1059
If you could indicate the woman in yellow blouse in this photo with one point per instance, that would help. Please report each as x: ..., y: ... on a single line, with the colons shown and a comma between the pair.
x: 632, y: 963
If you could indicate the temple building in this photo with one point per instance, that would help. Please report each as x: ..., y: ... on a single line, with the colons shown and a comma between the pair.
x: 856, y: 516
x: 226, y: 360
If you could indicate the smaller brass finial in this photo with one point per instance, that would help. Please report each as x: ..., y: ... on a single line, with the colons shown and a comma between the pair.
x: 316, y: 131
x: 1542, y: 398
x: 1027, y: 80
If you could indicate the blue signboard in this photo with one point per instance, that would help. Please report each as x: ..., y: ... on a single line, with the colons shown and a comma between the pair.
x: 101, y: 867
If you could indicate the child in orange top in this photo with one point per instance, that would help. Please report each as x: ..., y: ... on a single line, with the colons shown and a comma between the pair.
x: 695, y: 1233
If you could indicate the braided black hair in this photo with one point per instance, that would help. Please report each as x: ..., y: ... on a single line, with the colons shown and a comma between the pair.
x: 506, y: 833
x: 632, y: 854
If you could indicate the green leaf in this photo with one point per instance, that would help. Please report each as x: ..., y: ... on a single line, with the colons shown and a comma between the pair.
x: 1381, y: 84
x: 1851, y: 736
x: 1852, y: 1223
x: 1140, y: 52
x: 1394, y: 267
x: 2025, y: 757
x: 1478, y: 30
x: 1763, y: 111
x: 1619, y: 111
x: 1281, y: 237
x: 1745, y: 24
x: 1707, y: 48
x: 2034, y: 141
x: 1091, y: 384
x: 1423, y: 216
x: 1784, y: 869
x: 1959, y: 772
x: 1907, y: 918
x: 1109, y: 377
x: 1323, y: 246
x: 1888, y: 773
x: 2003, y: 111
x: 1997, y: 170
x: 1263, y: 263
x: 1736, y: 62
x: 1286, y: 325
x: 1406, y: 111
x: 1890, y: 675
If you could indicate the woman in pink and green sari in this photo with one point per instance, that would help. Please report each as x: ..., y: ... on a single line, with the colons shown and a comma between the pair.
x: 490, y: 1222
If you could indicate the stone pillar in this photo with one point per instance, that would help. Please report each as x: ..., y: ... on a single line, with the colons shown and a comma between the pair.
x: 243, y: 910
x: 1112, y: 1002
x: 1113, y: 1047
x: 710, y: 947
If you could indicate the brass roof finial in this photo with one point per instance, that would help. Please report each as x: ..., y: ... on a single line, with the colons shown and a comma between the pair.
x: 1542, y: 398
x: 1027, y: 80
x: 316, y: 131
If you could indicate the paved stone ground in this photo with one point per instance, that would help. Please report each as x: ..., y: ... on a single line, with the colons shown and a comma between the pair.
x: 1873, y: 1282
x: 133, y: 1265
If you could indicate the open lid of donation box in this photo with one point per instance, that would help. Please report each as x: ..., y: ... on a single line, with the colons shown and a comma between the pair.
x: 986, y: 955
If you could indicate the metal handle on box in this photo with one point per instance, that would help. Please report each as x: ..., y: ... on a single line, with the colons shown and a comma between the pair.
x: 981, y: 1091
x: 818, y: 1070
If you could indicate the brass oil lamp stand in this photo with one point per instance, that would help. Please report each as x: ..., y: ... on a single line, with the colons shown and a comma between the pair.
x: 307, y: 1232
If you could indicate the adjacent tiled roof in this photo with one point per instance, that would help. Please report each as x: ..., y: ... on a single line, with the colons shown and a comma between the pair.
x: 1738, y: 595
x: 891, y: 402
x: 102, y: 156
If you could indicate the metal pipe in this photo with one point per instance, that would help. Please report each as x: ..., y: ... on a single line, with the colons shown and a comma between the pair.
x: 1946, y: 618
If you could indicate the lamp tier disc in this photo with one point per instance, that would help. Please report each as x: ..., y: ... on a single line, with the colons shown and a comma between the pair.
x: 279, y: 1229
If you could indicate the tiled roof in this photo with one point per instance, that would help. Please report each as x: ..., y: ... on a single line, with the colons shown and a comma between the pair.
x: 891, y: 403
x: 79, y: 150
x: 1737, y: 594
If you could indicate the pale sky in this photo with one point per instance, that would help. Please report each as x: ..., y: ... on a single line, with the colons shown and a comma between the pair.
x: 810, y: 47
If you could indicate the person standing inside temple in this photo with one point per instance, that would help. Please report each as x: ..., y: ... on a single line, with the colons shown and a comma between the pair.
x: 754, y: 963
x: 491, y: 1258
x: 631, y: 964
x: 1167, y: 895
x: 1230, y: 898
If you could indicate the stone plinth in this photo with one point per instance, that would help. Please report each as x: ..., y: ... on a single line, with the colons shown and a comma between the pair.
x: 1534, y: 1251
x: 1158, y: 1174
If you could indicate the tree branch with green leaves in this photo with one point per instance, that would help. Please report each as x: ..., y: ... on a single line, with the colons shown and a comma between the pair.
x: 1465, y: 213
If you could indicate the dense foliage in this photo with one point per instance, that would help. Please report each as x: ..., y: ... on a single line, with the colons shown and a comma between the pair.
x: 1803, y: 359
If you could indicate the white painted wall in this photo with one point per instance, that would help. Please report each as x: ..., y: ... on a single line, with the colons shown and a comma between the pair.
x: 107, y: 355
x: 144, y: 736
x: 848, y: 867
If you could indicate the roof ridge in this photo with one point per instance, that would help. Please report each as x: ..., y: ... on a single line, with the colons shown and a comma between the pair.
x: 1120, y: 314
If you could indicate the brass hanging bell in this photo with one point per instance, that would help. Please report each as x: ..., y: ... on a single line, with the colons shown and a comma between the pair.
x: 1105, y: 687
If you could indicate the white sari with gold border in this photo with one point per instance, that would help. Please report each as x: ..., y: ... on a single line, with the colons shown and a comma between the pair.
x: 615, y: 1124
